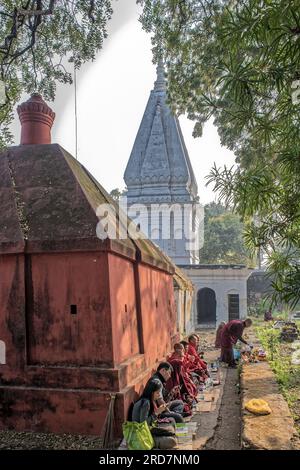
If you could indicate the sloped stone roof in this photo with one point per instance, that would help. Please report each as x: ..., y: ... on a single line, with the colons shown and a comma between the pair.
x: 49, y: 202
x: 182, y: 280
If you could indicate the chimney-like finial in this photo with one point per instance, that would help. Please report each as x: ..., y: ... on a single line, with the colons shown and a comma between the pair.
x: 36, y: 120
x: 160, y: 83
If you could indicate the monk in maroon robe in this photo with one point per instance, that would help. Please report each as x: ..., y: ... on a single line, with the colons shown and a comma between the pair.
x: 185, y: 344
x: 194, y: 363
x: 192, y: 351
x: 188, y: 359
x: 231, y: 333
x: 180, y: 376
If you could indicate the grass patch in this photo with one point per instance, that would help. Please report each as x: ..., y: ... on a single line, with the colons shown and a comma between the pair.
x: 287, y: 374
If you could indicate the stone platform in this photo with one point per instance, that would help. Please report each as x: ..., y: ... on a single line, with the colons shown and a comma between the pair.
x: 275, y: 431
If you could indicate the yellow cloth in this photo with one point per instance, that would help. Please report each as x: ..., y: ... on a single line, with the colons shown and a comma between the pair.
x: 258, y: 407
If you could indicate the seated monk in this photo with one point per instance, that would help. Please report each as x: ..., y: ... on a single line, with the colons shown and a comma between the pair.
x: 198, y: 349
x: 185, y: 344
x: 196, y: 368
x: 218, y: 334
x: 180, y: 379
x: 189, y: 368
x: 194, y: 363
x: 188, y: 358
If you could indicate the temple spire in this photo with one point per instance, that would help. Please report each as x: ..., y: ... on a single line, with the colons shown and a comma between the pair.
x: 160, y: 83
x: 159, y: 168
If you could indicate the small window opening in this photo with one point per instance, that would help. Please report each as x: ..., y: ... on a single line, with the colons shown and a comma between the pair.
x: 73, y: 309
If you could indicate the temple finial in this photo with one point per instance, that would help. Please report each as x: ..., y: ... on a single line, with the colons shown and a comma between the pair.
x: 36, y: 120
x: 160, y: 83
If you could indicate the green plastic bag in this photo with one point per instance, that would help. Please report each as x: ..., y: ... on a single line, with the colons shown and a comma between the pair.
x: 138, y: 435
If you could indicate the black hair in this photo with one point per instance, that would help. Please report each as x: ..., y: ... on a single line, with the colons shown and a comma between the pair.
x: 165, y: 365
x: 177, y: 346
x: 153, y: 385
x: 191, y: 337
x: 184, y: 343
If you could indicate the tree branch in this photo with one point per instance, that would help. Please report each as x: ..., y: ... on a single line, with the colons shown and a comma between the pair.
x: 49, y: 11
x: 91, y: 11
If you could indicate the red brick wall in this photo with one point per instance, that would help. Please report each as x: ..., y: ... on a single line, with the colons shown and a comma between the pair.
x: 12, y: 310
x: 102, y: 334
x: 158, y: 313
x: 123, y: 308
x: 55, y: 335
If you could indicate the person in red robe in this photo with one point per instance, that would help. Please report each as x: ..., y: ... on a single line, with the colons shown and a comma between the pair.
x: 185, y: 344
x: 187, y: 358
x: 194, y: 363
x: 193, y: 351
x: 231, y: 333
x: 219, y: 334
x: 180, y: 377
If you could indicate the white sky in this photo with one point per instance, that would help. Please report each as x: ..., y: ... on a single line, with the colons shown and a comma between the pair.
x: 112, y: 93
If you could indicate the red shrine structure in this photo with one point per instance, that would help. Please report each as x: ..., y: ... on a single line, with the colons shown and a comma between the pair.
x: 81, y: 318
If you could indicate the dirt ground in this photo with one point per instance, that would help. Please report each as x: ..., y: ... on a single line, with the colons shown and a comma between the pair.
x: 11, y: 440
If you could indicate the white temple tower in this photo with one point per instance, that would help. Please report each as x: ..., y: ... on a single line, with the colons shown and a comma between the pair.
x: 159, y: 172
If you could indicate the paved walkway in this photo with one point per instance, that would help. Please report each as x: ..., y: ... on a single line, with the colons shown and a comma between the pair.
x: 218, y: 415
x: 221, y: 419
x: 227, y: 434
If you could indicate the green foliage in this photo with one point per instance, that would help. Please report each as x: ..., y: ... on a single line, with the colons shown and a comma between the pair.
x: 238, y: 61
x: 258, y: 309
x: 37, y: 41
x: 269, y: 339
x: 223, y: 241
x: 288, y: 376
x: 116, y: 194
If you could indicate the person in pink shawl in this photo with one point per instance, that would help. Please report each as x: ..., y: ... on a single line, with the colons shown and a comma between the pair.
x: 219, y: 335
x: 231, y: 333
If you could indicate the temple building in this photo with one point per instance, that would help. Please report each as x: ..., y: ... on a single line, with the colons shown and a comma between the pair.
x: 160, y: 181
x: 83, y: 320
x: 159, y: 172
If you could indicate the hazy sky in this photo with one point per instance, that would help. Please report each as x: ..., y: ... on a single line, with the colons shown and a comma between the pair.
x: 112, y: 93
